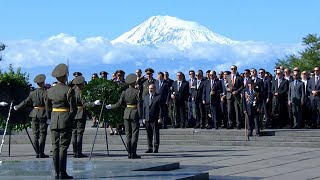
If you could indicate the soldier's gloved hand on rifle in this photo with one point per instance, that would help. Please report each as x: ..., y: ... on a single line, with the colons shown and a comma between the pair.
x: 3, y: 103
x: 97, y: 102
x: 108, y: 106
x: 15, y: 108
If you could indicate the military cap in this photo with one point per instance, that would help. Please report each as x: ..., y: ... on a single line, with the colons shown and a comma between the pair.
x: 40, y: 78
x: 78, y: 80
x: 149, y: 70
x: 60, y: 70
x: 296, y: 69
x: 77, y: 74
x: 131, y: 78
x: 120, y: 72
x: 103, y: 72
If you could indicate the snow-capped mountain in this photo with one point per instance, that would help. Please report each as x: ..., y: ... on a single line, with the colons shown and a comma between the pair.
x: 159, y: 30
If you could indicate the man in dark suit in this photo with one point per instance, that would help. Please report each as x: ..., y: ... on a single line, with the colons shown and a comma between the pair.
x: 162, y: 88
x: 279, y: 90
x: 234, y: 88
x: 199, y: 103
x: 266, y: 96
x: 38, y: 115
x: 191, y: 106
x: 211, y: 96
x: 251, y: 106
x: 314, y: 90
x: 296, y: 99
x: 152, y: 118
x: 180, y: 95
x: 61, y: 100
x: 170, y: 105
x: 306, y: 108
x: 223, y: 95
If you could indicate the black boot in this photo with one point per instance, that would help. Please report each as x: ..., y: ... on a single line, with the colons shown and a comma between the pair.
x: 36, y: 146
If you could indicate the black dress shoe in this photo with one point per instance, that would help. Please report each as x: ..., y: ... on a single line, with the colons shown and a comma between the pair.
x: 43, y: 156
x: 111, y: 133
x: 65, y: 176
x: 258, y: 134
x: 176, y: 126
x: 249, y: 133
x: 197, y: 126
x: 129, y: 156
x: 75, y: 155
x: 209, y: 127
x: 155, y: 151
x: 37, y: 156
x: 216, y: 127
x: 80, y: 155
x: 238, y: 127
x: 149, y: 151
x: 229, y: 127
x: 56, y: 177
x: 135, y: 156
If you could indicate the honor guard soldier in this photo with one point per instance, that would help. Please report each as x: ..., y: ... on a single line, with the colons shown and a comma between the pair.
x: 79, y: 123
x: 61, y: 99
x: 148, y: 80
x: 38, y: 115
x: 131, y: 115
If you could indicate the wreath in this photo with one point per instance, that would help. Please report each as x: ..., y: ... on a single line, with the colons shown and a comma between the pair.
x: 15, y: 87
x: 108, y: 92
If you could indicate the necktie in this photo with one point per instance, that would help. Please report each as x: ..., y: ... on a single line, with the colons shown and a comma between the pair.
x: 198, y: 84
x: 160, y: 84
x: 191, y: 82
x: 317, y: 79
x: 212, y: 83
x: 295, y: 82
x: 232, y: 79
x: 279, y: 81
x: 179, y: 84
x: 245, y: 81
x: 150, y: 100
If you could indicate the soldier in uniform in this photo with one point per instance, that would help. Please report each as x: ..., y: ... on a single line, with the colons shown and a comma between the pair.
x: 131, y: 115
x: 38, y: 115
x: 61, y: 99
x: 79, y: 123
x: 148, y: 80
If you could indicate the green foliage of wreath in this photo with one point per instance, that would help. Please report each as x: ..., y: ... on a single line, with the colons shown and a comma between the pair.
x: 18, y: 79
x: 108, y: 92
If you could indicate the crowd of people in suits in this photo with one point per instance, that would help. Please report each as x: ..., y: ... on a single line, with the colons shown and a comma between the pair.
x: 228, y: 99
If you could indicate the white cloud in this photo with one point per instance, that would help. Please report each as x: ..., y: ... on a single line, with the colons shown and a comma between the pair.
x: 99, y: 51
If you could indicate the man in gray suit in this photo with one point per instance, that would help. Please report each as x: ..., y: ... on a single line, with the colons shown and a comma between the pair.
x: 296, y: 99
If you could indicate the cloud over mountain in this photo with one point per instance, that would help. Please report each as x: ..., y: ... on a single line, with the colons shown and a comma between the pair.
x: 162, y: 42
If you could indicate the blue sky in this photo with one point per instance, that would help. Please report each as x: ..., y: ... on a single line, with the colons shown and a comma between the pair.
x: 32, y: 30
x: 259, y: 20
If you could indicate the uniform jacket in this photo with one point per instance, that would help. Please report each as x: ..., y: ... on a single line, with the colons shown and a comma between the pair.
x: 37, y: 98
x: 81, y: 104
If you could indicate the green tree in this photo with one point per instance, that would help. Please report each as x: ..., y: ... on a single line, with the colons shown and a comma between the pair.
x: 307, y: 58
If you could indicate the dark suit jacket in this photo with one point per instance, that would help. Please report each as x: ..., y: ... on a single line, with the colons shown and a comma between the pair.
x: 250, y: 108
x: 238, y: 85
x: 266, y: 91
x: 182, y: 95
x: 164, y: 91
x: 217, y: 88
x: 296, y: 92
x: 282, y: 90
x: 152, y: 112
x: 198, y: 91
x: 37, y: 97
x: 313, y: 87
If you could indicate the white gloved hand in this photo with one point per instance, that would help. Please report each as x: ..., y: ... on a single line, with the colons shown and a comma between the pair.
x: 48, y: 121
x: 3, y: 103
x: 97, y: 102
x: 108, y: 106
x: 144, y: 121
x: 15, y: 107
x: 160, y: 121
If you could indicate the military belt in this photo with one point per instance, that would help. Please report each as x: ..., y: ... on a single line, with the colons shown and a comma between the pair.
x: 132, y: 106
x: 60, y: 109
x: 38, y: 107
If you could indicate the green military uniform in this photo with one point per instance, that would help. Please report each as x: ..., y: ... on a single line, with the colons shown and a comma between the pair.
x: 38, y: 115
x: 147, y: 82
x: 79, y: 122
x: 131, y: 115
x: 61, y: 99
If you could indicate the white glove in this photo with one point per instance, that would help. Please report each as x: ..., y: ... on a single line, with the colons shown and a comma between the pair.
x: 48, y: 121
x: 144, y: 121
x: 159, y: 120
x: 108, y: 106
x: 3, y: 103
x: 97, y: 103
x: 15, y: 107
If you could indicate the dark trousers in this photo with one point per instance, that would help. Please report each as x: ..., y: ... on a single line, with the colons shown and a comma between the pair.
x: 180, y: 113
x: 306, y: 114
x: 153, y: 130
x: 60, y: 142
x: 191, y: 112
x: 224, y: 113
x: 39, y: 129
x: 233, y: 111
x: 132, y: 133
x: 253, y: 122
x: 266, y: 112
x: 200, y: 114
x: 77, y: 135
x: 297, y: 114
x: 213, y: 120
x: 164, y: 115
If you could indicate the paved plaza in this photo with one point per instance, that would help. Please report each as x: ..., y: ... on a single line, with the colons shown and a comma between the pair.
x: 221, y: 162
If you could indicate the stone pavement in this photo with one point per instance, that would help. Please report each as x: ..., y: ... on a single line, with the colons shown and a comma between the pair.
x: 221, y: 162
